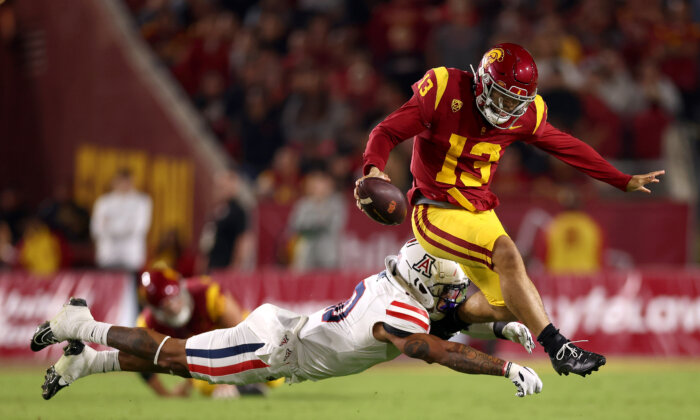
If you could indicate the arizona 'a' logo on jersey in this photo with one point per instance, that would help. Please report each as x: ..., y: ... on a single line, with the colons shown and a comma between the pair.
x: 456, y: 105
x: 425, y: 265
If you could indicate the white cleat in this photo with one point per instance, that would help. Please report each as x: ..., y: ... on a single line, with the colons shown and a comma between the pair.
x: 73, y: 365
x: 64, y: 326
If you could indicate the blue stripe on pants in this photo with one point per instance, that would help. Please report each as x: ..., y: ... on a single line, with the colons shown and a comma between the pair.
x: 225, y: 352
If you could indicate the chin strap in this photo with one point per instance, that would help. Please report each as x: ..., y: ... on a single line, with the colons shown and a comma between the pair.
x: 474, y: 73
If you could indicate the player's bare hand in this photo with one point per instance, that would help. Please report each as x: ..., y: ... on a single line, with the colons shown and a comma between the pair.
x: 373, y: 172
x: 638, y: 182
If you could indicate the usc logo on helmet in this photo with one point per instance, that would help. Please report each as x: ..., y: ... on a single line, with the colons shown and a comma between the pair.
x: 496, y: 54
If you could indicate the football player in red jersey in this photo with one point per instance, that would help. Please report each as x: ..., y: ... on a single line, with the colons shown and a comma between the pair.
x: 182, y: 308
x: 462, y: 123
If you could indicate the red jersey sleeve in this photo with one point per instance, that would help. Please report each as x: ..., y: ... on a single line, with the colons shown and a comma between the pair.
x: 428, y: 91
x: 411, y: 119
x: 400, y: 125
x: 578, y: 154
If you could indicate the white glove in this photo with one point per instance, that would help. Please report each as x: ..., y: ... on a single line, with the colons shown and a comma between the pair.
x: 524, y: 378
x: 518, y: 333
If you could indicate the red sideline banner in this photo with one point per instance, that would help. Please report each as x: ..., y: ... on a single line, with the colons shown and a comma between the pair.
x: 300, y: 292
x: 645, y: 312
x: 648, y: 312
x: 365, y: 243
x: 27, y: 300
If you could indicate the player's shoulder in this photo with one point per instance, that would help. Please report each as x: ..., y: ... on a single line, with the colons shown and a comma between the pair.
x: 202, y: 288
x: 145, y: 319
x: 447, y: 74
x: 459, y: 75
x: 400, y: 309
x: 386, y: 288
x: 207, y: 295
x: 407, y: 315
x: 533, y: 120
x: 198, y: 283
x: 438, y: 83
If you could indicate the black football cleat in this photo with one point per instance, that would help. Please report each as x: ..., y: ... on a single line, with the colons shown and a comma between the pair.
x: 43, y: 336
x: 573, y: 359
x: 53, y: 382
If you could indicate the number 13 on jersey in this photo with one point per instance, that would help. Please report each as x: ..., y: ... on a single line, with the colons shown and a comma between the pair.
x: 448, y: 173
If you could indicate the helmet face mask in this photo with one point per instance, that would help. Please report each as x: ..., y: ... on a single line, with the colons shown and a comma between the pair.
x: 167, y: 296
x: 505, y: 84
x: 175, y: 311
x: 448, y: 296
x: 438, y: 285
x: 502, y: 106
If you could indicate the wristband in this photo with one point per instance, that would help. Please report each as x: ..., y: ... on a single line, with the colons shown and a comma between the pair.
x: 155, y: 359
x: 498, y: 329
x: 506, y: 368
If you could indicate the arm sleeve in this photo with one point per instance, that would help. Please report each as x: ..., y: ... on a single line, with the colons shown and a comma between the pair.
x: 578, y: 154
x: 395, y: 331
x: 487, y: 330
x: 400, y: 125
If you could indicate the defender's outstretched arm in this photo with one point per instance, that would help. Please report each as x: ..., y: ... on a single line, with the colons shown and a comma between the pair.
x: 455, y: 356
x: 459, y: 357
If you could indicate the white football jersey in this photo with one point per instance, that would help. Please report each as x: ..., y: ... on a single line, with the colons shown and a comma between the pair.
x: 338, y: 340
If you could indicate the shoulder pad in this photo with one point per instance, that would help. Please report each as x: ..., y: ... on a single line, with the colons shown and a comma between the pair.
x: 430, y: 89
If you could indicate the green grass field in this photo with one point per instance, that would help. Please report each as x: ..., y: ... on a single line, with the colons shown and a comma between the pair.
x: 624, y: 389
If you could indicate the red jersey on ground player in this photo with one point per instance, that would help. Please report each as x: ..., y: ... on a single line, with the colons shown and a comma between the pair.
x: 181, y: 308
x: 203, y: 311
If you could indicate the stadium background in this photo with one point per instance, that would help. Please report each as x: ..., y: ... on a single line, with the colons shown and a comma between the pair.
x: 179, y: 91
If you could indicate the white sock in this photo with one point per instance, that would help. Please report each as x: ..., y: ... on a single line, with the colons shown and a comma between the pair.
x: 104, y: 361
x: 94, y: 332
x: 90, y: 361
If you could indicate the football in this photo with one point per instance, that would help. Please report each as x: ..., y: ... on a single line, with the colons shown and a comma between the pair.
x: 382, y: 201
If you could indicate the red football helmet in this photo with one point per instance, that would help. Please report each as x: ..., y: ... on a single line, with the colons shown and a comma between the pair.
x: 167, y: 296
x: 160, y: 284
x: 506, y: 84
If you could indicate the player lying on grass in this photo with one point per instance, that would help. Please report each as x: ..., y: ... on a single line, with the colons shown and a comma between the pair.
x: 182, y: 308
x: 386, y: 315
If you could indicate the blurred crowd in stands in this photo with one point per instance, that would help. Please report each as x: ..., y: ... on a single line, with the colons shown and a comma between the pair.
x: 285, y: 84
x: 292, y: 88
x: 114, y: 235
